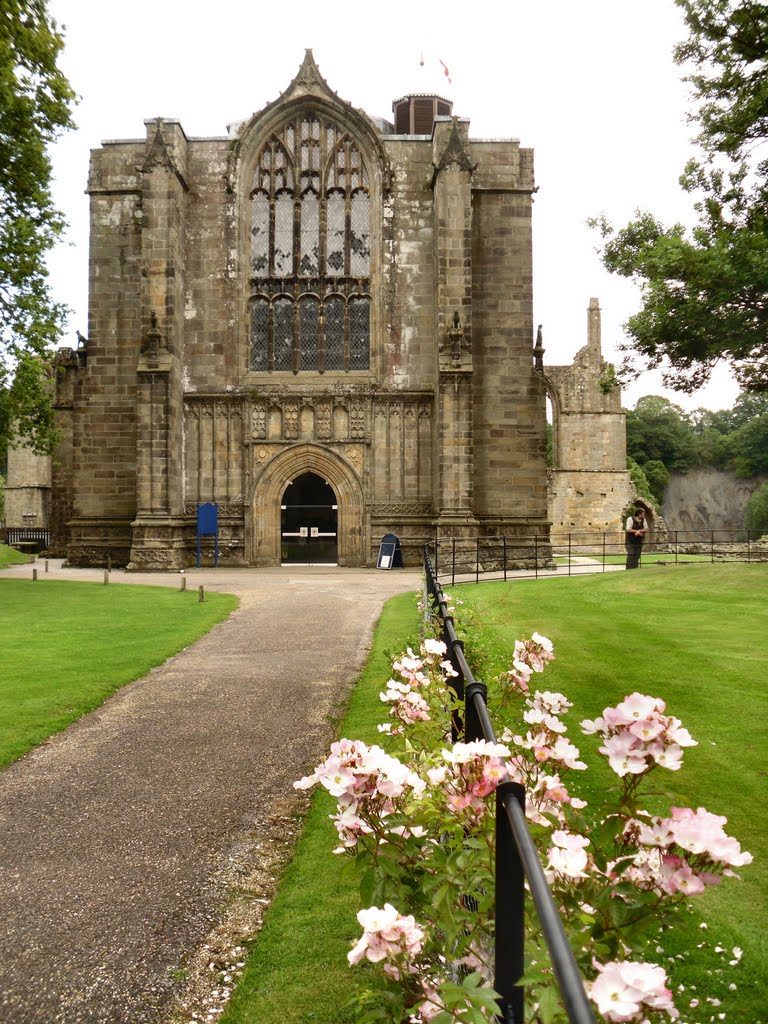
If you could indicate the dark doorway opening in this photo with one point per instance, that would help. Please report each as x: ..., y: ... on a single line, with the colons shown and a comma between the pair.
x: 308, y: 521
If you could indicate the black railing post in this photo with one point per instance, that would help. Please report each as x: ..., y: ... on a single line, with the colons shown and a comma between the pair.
x: 603, y: 550
x: 509, y: 964
x: 458, y: 727
x: 473, y: 728
x: 536, y: 555
x: 453, y: 561
x: 569, y: 554
x: 477, y: 559
x: 510, y: 805
x: 504, y: 539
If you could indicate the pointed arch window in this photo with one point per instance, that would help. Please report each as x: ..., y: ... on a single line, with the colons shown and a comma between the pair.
x: 310, y: 255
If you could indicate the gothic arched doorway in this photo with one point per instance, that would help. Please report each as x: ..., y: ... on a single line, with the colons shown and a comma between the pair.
x: 309, y: 521
x: 270, y: 485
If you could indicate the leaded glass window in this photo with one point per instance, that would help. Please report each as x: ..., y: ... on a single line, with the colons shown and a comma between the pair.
x: 259, y: 334
x: 282, y: 334
x: 310, y: 250
x: 308, y: 334
x: 359, y: 331
x: 334, y: 333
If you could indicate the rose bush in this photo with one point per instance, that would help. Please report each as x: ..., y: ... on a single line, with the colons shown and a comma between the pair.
x: 419, y: 819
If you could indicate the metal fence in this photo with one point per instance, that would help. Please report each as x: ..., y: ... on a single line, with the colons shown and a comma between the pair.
x: 28, y: 538
x: 516, y: 855
x: 574, y: 553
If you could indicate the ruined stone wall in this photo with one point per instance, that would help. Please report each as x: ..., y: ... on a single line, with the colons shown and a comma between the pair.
x: 69, y: 369
x: 27, y: 488
x: 589, y: 486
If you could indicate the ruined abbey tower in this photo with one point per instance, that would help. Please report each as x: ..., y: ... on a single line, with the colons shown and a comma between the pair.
x: 322, y: 323
x: 590, y: 487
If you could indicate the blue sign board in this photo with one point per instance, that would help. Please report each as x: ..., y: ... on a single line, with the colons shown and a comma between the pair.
x: 207, y: 526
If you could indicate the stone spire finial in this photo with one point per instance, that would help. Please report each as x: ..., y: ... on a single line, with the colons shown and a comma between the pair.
x: 456, y: 151
x: 593, y: 328
x: 538, y: 350
x: 309, y: 73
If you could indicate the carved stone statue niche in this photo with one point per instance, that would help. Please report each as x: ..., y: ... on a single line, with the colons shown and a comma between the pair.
x: 458, y: 349
x: 154, y: 350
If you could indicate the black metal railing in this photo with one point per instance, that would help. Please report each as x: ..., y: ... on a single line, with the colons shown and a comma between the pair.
x: 516, y: 855
x: 580, y: 552
x: 33, y: 538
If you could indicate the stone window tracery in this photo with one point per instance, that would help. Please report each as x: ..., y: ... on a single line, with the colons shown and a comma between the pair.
x: 310, y: 254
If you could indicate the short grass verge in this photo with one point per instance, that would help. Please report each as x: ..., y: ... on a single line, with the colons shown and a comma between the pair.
x: 648, y: 558
x: 65, y: 647
x: 12, y: 556
x: 693, y: 635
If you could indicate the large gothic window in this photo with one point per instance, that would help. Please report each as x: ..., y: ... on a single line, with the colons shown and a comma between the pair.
x: 310, y: 301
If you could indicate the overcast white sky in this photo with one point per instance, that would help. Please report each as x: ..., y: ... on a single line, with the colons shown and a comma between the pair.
x: 590, y: 85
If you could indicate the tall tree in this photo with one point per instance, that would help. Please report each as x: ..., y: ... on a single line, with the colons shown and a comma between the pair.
x: 705, y: 290
x: 659, y: 431
x: 35, y: 108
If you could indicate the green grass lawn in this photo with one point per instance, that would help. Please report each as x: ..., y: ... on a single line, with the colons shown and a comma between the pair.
x: 693, y: 635
x: 696, y: 637
x: 648, y: 558
x: 65, y: 647
x: 11, y: 556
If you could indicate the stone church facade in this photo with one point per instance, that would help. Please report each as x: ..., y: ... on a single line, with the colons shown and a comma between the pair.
x: 322, y: 324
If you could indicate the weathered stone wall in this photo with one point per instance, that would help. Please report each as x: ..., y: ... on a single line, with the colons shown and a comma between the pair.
x: 104, y: 418
x: 69, y: 369
x: 405, y: 356
x: 213, y: 338
x: 27, y: 488
x: 509, y: 402
x: 589, y: 486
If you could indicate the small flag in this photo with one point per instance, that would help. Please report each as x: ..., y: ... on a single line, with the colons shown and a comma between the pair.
x: 446, y: 72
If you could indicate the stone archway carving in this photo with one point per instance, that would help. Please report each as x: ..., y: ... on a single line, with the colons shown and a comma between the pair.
x: 270, y: 485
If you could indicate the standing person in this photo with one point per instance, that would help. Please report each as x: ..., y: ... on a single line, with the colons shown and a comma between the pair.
x: 634, y: 536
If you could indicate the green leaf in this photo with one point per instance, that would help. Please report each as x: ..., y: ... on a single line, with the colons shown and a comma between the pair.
x: 550, y: 1006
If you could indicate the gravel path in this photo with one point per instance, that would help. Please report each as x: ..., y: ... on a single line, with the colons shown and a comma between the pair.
x: 121, y: 838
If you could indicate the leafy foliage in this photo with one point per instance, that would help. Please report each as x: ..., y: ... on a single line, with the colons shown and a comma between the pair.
x: 35, y: 107
x: 662, y: 439
x: 640, y: 481
x: 705, y: 291
x: 756, y: 514
x: 657, y: 475
x: 658, y: 430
